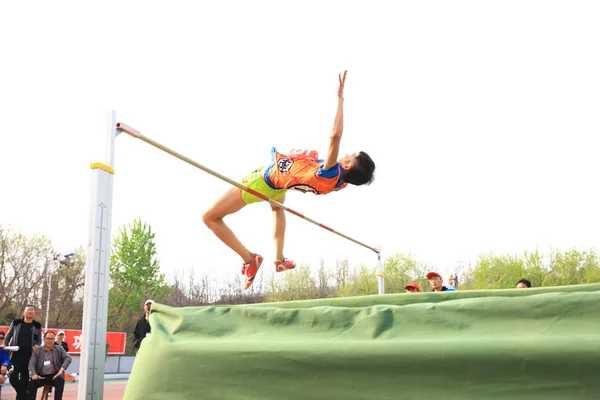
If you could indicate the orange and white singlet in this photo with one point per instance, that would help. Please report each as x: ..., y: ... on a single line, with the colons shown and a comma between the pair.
x: 302, y: 170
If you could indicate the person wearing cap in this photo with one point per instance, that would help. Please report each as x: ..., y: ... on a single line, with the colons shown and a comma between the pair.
x: 142, y: 328
x: 412, y: 288
x: 436, y: 282
x: 60, y: 341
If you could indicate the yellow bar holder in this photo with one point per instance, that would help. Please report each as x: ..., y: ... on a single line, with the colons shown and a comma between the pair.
x: 104, y: 167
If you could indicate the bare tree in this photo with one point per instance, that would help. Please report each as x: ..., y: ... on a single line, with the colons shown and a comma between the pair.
x: 342, y: 273
x: 325, y: 289
x: 196, y: 292
x: 24, y: 264
x: 232, y: 291
x: 66, y: 296
x: 178, y: 297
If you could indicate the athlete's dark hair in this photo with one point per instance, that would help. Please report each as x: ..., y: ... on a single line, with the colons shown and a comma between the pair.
x: 526, y: 282
x: 361, y: 172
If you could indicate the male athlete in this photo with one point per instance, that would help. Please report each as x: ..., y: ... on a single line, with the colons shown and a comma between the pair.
x: 299, y: 170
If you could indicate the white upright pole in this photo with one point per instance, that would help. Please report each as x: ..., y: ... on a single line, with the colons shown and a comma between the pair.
x: 95, y: 301
x: 48, y: 302
x: 380, y: 287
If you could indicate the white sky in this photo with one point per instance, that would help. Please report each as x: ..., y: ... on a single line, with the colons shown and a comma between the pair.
x: 482, y: 118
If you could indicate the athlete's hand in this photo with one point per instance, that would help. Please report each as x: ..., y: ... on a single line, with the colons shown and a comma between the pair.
x: 342, y: 82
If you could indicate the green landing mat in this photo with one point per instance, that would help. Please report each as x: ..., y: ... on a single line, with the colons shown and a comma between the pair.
x: 541, y: 343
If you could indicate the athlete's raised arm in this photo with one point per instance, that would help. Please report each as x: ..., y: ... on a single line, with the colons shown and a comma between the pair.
x: 338, y: 127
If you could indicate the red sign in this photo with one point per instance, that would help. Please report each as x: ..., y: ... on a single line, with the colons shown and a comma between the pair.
x: 115, y: 340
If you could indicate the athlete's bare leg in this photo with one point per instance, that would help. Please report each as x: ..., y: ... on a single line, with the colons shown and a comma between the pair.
x: 230, y: 203
x: 279, y: 229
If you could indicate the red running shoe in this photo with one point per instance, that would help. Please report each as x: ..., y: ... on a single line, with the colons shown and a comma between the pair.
x: 251, y: 269
x: 284, y: 265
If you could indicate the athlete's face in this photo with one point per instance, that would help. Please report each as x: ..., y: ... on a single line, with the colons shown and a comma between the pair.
x: 347, y: 160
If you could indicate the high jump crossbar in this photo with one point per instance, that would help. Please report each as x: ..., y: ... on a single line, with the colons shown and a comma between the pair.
x: 136, y: 134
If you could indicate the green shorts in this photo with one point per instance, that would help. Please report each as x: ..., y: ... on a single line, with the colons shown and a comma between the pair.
x: 256, y: 181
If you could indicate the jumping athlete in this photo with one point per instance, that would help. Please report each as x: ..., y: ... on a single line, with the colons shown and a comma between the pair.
x: 299, y: 170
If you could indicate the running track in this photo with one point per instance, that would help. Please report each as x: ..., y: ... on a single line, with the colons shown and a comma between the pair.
x: 112, y: 391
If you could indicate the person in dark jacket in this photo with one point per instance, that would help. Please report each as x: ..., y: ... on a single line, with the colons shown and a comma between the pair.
x: 60, y: 340
x: 27, y: 334
x: 142, y: 328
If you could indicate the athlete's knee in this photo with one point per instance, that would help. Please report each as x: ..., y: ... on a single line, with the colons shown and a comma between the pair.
x: 278, y: 209
x: 210, y: 217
